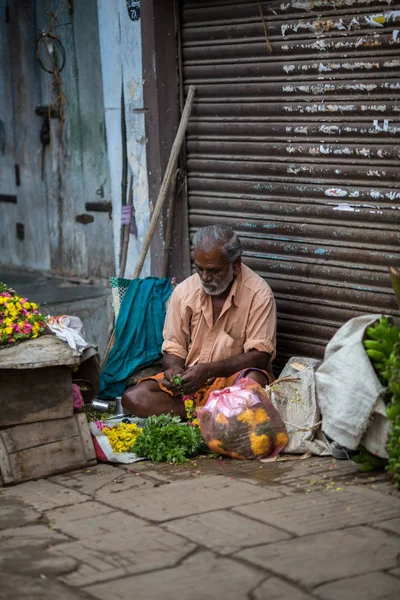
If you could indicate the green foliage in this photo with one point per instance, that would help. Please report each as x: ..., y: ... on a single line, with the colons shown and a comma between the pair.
x: 368, y: 462
x: 166, y: 439
x: 382, y: 345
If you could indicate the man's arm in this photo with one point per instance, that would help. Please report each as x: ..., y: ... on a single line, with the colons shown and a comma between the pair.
x: 195, y: 377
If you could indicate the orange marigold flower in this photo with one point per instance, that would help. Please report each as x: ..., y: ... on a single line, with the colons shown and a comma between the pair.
x: 261, y: 415
x: 247, y: 416
x: 260, y: 444
x: 222, y: 419
x: 281, y: 439
x: 215, y: 445
x: 236, y: 455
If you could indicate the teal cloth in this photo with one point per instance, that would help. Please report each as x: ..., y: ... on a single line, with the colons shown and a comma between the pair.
x: 138, y: 333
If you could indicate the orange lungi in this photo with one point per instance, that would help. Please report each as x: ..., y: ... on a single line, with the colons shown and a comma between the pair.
x: 219, y: 383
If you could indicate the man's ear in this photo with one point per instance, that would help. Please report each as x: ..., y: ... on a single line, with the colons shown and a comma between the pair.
x: 237, y: 266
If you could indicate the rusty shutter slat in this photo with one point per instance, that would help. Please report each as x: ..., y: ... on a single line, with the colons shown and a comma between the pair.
x: 298, y: 151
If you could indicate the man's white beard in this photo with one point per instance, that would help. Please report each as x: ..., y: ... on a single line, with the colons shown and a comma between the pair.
x: 215, y: 290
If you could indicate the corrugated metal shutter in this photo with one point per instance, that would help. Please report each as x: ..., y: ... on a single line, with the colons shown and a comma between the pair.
x: 298, y: 151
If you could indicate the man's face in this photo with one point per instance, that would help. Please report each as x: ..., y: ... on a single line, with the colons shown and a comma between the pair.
x: 215, y: 270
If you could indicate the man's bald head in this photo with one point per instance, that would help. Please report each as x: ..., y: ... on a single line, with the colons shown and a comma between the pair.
x: 221, y: 237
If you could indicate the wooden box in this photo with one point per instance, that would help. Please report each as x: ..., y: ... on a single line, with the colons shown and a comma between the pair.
x: 35, y: 381
x: 34, y: 450
x: 39, y: 434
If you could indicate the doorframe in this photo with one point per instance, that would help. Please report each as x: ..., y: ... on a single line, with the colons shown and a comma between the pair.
x: 162, y: 91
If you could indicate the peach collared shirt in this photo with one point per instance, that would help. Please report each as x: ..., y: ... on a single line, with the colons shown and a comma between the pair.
x: 247, y: 320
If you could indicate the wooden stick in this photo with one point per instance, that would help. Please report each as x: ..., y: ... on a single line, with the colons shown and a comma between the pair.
x: 124, y: 174
x: 169, y: 171
x: 126, y: 230
x: 170, y: 223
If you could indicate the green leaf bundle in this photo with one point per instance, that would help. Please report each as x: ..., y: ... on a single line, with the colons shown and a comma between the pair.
x: 166, y: 439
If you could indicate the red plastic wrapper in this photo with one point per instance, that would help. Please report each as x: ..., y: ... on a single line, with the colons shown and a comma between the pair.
x: 241, y: 422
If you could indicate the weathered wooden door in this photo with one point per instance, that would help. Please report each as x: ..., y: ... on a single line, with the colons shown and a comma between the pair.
x: 24, y: 233
x: 54, y: 198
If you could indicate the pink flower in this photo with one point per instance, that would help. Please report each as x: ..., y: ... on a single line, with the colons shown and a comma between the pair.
x: 6, y: 294
x: 77, y: 394
x: 27, y: 328
x: 35, y: 312
x: 25, y: 312
x: 10, y: 340
x: 17, y: 328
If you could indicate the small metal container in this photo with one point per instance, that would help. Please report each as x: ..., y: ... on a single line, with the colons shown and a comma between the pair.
x: 118, y: 406
x: 101, y: 405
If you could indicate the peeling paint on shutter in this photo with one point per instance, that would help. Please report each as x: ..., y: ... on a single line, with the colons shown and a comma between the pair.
x: 298, y: 150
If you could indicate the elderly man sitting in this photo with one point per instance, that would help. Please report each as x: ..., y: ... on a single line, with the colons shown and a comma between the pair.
x: 220, y: 327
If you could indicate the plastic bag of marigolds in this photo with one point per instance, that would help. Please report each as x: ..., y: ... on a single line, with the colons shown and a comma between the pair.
x: 241, y: 422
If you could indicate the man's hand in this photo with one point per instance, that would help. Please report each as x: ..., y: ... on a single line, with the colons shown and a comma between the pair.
x: 168, y: 380
x: 195, y: 377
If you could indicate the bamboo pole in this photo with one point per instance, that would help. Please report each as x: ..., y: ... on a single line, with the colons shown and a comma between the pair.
x: 170, y: 223
x: 126, y: 233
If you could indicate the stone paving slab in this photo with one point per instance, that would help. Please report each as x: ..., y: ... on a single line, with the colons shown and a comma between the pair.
x: 391, y: 525
x: 97, y: 524
x: 372, y: 586
x: 45, y: 495
x: 90, y: 479
x: 16, y: 587
x: 180, y: 499
x: 30, y: 534
x: 76, y: 515
x: 129, y: 483
x: 201, y: 577
x: 125, y: 551
x: 15, y: 513
x: 323, y: 511
x: 274, y: 588
x: 322, y: 557
x: 224, y: 531
x: 395, y: 572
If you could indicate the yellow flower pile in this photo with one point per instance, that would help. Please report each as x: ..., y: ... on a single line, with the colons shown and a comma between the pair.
x: 122, y: 436
x: 19, y: 319
x: 190, y: 407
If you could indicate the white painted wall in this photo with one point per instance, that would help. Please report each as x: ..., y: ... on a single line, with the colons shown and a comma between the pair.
x: 121, y: 57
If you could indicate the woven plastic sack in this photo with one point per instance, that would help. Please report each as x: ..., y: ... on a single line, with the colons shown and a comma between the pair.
x: 294, y: 396
x: 240, y: 422
x: 119, y: 286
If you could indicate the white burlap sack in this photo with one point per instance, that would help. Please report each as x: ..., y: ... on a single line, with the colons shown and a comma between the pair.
x: 296, y: 401
x: 349, y: 392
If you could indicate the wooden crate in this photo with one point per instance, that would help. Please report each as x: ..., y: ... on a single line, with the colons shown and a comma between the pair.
x: 34, y: 450
x: 32, y: 395
x: 36, y: 381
